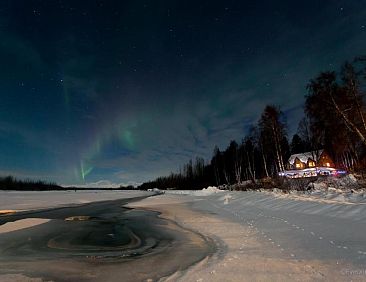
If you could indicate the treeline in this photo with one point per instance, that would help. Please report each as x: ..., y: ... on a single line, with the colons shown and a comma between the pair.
x: 10, y: 183
x: 334, y: 120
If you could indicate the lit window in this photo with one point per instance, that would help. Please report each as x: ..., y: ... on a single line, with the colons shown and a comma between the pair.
x: 327, y: 164
x: 311, y: 164
x: 298, y: 165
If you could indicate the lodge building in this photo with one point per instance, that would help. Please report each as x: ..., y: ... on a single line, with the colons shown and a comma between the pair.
x: 311, y: 159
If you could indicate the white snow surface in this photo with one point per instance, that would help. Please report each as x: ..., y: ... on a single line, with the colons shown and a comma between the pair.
x: 301, y: 228
x: 21, y: 224
x: 29, y: 200
x: 320, y: 191
x: 298, y: 228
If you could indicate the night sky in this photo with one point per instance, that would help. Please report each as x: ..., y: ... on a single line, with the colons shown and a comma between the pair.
x: 124, y: 91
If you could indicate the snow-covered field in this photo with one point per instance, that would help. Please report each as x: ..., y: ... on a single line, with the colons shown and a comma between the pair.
x: 263, y: 237
x: 273, y: 236
x: 297, y: 227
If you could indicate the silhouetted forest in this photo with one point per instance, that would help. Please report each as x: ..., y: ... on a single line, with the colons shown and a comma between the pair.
x: 334, y: 120
x: 10, y: 183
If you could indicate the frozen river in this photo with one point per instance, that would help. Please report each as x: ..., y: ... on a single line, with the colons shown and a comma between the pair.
x: 326, y: 236
x: 98, y: 240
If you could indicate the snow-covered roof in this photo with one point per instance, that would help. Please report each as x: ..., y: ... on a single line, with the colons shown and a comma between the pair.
x: 304, y: 157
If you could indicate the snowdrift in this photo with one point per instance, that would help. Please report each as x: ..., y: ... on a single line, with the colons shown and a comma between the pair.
x: 204, y: 192
x: 345, y: 189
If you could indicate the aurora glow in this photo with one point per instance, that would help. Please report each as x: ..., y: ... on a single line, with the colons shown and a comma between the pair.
x: 124, y: 91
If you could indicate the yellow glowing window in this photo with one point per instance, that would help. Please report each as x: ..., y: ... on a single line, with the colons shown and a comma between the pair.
x: 327, y: 164
x: 311, y: 164
x: 298, y: 165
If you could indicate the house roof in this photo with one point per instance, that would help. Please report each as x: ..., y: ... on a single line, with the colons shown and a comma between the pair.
x: 304, y: 157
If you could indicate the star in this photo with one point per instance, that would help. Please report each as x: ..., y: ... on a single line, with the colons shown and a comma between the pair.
x: 36, y: 13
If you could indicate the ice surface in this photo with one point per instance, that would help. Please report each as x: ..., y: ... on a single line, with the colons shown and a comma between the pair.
x: 26, y: 200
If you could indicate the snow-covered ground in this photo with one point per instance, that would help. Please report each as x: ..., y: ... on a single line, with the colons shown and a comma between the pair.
x: 259, y: 234
x: 345, y: 190
x: 330, y: 195
x: 27, y: 200
x: 299, y: 228
x: 21, y: 224
x: 263, y: 237
x: 325, y: 225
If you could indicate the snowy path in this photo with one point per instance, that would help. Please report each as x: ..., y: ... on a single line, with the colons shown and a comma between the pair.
x: 299, y: 229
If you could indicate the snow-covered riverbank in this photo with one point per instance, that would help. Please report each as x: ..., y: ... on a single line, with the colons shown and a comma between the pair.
x: 260, y: 237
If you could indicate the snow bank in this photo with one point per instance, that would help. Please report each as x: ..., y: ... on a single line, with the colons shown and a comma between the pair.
x: 332, y: 189
x: 204, y: 192
x: 347, y: 182
x: 210, y: 190
x: 351, y: 178
x: 156, y: 190
x: 318, y: 186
